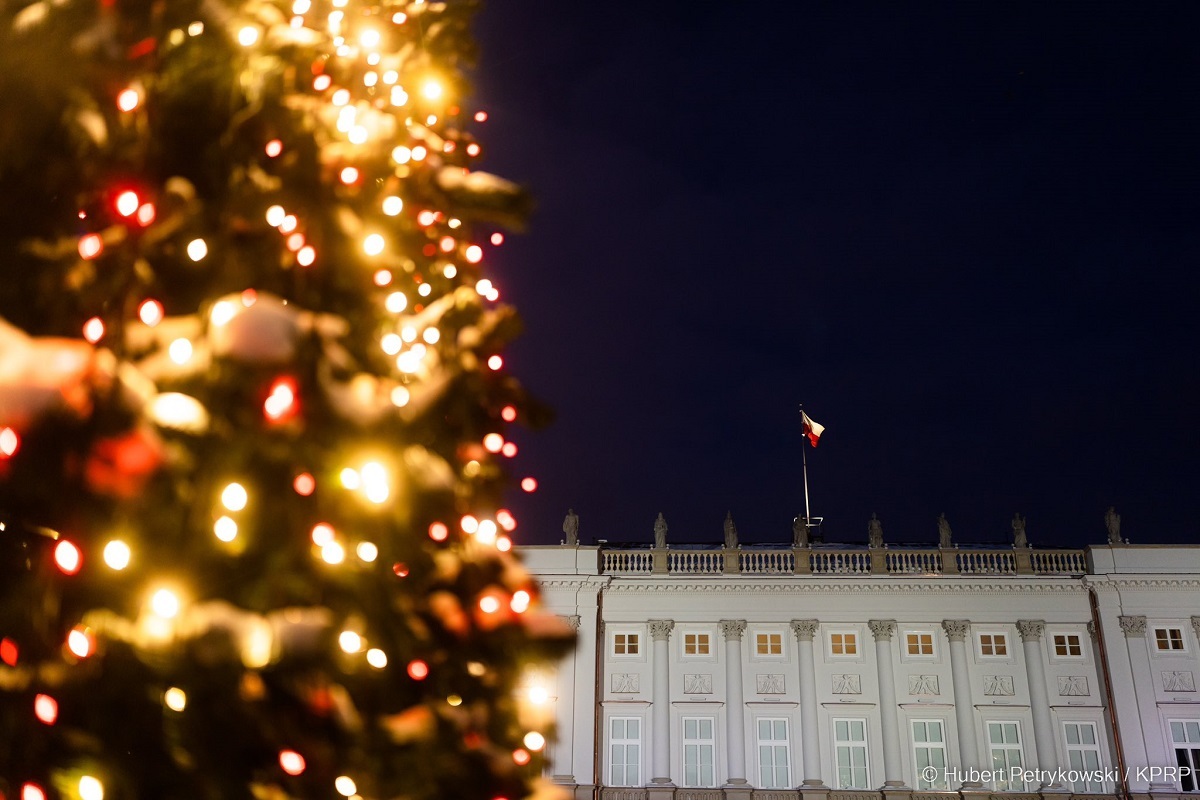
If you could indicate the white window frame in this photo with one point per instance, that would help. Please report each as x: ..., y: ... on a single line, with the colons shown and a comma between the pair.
x: 626, y: 632
x: 933, y: 645
x: 757, y: 656
x: 940, y: 783
x: 849, y: 745
x: 844, y: 632
x: 1006, y: 748
x: 1180, y: 740
x: 992, y: 656
x: 699, y: 742
x: 625, y: 741
x: 709, y: 643
x: 777, y: 746
x: 1068, y: 634
x: 1182, y: 650
x: 1080, y: 751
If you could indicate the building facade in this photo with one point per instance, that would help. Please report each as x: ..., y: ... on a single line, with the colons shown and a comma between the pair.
x: 838, y: 673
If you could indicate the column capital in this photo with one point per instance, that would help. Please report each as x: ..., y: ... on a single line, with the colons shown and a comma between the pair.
x: 805, y: 629
x: 573, y: 620
x: 1031, y: 630
x: 956, y: 629
x: 733, y: 629
x: 882, y: 628
x: 1133, y: 625
x: 1196, y: 626
x: 660, y: 629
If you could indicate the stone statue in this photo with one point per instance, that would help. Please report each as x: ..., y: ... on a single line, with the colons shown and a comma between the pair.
x: 1112, y: 521
x: 944, y: 533
x: 571, y: 527
x: 800, y: 532
x: 874, y: 533
x: 1018, y: 526
x: 731, y: 537
x: 660, y: 532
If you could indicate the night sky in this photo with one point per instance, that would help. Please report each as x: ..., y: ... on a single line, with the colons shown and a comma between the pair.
x: 964, y: 235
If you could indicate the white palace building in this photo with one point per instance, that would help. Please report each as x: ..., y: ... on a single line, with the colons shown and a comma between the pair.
x: 829, y: 672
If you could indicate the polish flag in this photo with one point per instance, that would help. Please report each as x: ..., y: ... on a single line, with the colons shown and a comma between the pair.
x: 812, y: 430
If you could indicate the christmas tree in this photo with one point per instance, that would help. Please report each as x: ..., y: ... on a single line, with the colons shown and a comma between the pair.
x: 253, y: 412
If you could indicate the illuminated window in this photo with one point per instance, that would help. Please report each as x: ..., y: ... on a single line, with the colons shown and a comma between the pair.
x: 1185, y: 738
x: 1004, y: 742
x: 696, y: 644
x: 843, y: 644
x: 993, y: 645
x: 919, y: 643
x: 1167, y: 640
x: 768, y: 644
x: 1083, y: 755
x: 1067, y: 645
x: 929, y: 751
x: 625, y: 644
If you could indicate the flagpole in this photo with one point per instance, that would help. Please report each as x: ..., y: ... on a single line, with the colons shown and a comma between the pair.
x: 807, y: 514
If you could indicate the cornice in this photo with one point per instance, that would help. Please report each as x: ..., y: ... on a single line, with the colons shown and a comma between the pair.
x: 570, y: 583
x: 1107, y: 583
x: 850, y: 587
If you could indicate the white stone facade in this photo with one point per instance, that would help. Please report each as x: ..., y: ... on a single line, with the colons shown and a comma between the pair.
x: 779, y: 673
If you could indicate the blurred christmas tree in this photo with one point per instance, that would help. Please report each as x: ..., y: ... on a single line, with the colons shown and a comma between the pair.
x: 252, y: 411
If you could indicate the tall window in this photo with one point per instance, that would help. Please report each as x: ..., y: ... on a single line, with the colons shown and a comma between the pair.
x: 929, y: 750
x: 768, y: 644
x: 696, y: 644
x: 993, y: 645
x: 850, y: 753
x: 843, y: 643
x: 1185, y: 738
x: 773, y: 769
x: 1167, y: 640
x: 1083, y: 753
x: 1004, y: 741
x: 625, y: 644
x: 919, y: 643
x: 625, y: 751
x: 1067, y: 645
x: 698, y: 752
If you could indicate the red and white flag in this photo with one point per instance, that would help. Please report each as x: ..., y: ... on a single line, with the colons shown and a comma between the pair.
x: 812, y: 429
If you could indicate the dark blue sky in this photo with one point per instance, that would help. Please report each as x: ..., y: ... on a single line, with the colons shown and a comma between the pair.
x: 964, y: 235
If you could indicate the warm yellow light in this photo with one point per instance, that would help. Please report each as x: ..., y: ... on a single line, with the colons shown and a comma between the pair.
x: 333, y: 553
x: 432, y: 89
x: 493, y: 442
x: 399, y: 96
x: 367, y: 551
x: 117, y: 554
x: 350, y: 642
x: 127, y: 203
x: 450, y: 271
x: 351, y: 479
x: 400, y: 397
x: 401, y: 154
x: 128, y: 99
x: 373, y: 245
x: 275, y: 215
x: 345, y: 786
x: 424, y: 290
x: 165, y: 604
x: 180, y: 351
x: 248, y: 36
x: 408, y: 363
x: 225, y: 529
x: 391, y: 344
x: 489, y: 604
x: 306, y: 256
x: 376, y: 658
x: 483, y: 286
x: 431, y: 335
x: 197, y: 249
x: 301, y: 6
x: 90, y: 788
x: 534, y: 741
x: 175, y: 698
x: 396, y: 302
x: 340, y: 97
x: 392, y: 205
x: 539, y: 695
x: 322, y: 534
x: 486, y: 532
x: 390, y: 77
x: 222, y: 312
x: 369, y: 38
x: 349, y: 175
x: 520, y: 601
x: 454, y: 700
x: 234, y: 497
x: 358, y: 134
x: 375, y: 482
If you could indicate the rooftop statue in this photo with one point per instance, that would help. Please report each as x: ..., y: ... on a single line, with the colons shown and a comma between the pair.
x: 660, y: 532
x: 800, y: 532
x: 945, y: 539
x: 571, y: 527
x: 874, y: 532
x: 731, y: 534
x: 1112, y: 521
x: 1018, y: 526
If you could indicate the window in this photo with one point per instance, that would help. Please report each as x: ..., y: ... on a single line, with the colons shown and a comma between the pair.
x: 1004, y: 743
x: 1185, y: 738
x: 993, y: 645
x: 843, y: 643
x: 696, y: 644
x: 625, y: 644
x: 768, y: 644
x: 698, y: 752
x: 1067, y: 645
x: 919, y: 643
x: 625, y: 749
x: 1168, y: 640
x: 773, y: 770
x: 929, y: 750
x: 1083, y: 753
x: 850, y: 753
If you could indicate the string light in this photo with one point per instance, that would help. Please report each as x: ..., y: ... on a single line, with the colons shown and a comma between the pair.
x: 350, y: 642
x: 234, y: 497
x: 474, y: 254
x: 165, y: 603
x: 333, y: 553
x: 10, y: 442
x: 438, y: 532
x: 493, y: 442
x: 322, y: 534
x: 45, y: 708
x: 68, y: 557
x: 225, y: 529
x: 90, y: 788
x: 508, y: 413
x: 150, y: 312
x: 117, y: 555
x: 31, y: 791
x: 377, y: 658
x: 90, y: 246
x: 367, y: 551
x: 345, y: 785
x: 80, y: 642
x: 418, y: 670
x: 529, y: 484
x: 180, y: 351
x: 520, y: 604
x: 534, y: 741
x: 175, y: 699
x: 291, y: 762
x: 304, y: 484
x: 128, y: 99
x: 93, y: 330
x: 247, y: 36
x: 127, y: 203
